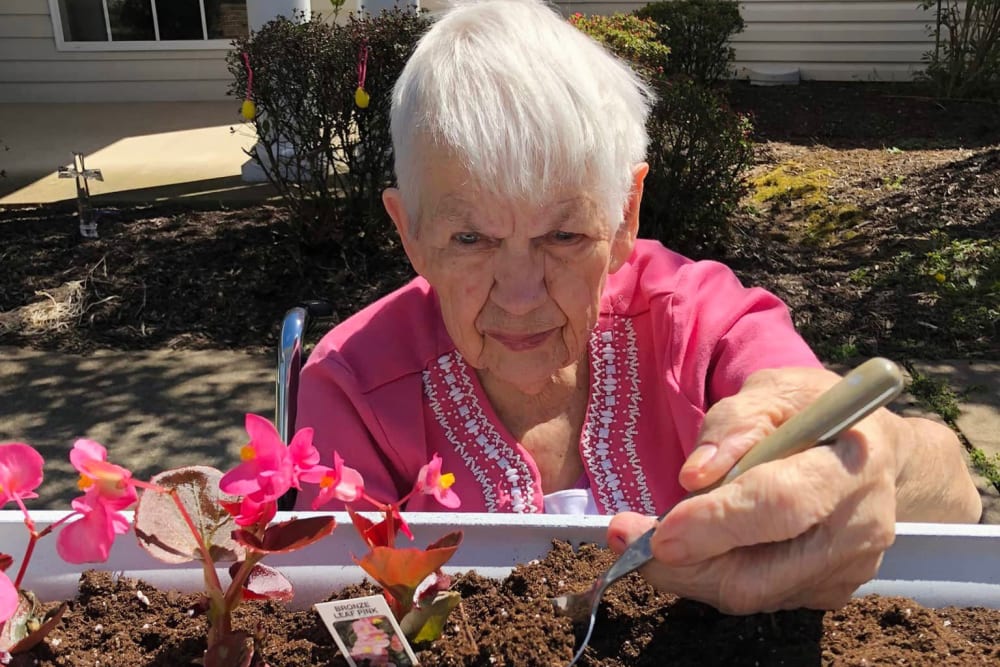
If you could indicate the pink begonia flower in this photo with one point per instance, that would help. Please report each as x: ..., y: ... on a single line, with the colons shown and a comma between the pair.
x: 110, y: 483
x: 20, y: 472
x: 89, y: 538
x: 304, y: 456
x: 250, y: 513
x: 266, y: 472
x: 430, y: 481
x: 8, y: 598
x: 340, y: 482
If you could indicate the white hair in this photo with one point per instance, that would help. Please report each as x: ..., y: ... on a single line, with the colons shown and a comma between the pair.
x: 526, y: 101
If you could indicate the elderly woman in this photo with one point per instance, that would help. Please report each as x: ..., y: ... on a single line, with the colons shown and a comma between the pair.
x: 557, y: 363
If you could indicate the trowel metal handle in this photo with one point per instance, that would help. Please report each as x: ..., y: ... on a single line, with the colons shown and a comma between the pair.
x: 859, y: 393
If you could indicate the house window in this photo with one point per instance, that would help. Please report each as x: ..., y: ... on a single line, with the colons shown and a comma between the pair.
x: 144, y: 24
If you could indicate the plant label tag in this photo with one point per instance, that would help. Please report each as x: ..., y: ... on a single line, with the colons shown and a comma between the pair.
x: 366, y: 632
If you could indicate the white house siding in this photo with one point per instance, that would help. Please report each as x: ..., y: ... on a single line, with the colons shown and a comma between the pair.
x: 33, y: 70
x: 849, y: 40
x: 840, y: 41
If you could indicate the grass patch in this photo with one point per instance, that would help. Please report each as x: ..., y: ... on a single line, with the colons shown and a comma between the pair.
x: 840, y: 352
x: 831, y: 221
x: 954, y: 285
x: 987, y: 466
x: 936, y: 395
x: 790, y: 183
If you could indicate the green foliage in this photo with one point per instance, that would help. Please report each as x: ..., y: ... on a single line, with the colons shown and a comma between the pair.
x: 842, y: 351
x: 790, y: 182
x: 986, y: 465
x: 329, y: 158
x: 965, y: 61
x: 698, y: 148
x: 698, y: 33
x: 937, y: 395
x: 629, y: 37
x: 699, y: 151
x: 957, y: 282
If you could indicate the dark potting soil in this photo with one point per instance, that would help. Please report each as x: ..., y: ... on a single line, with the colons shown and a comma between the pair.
x: 122, y: 622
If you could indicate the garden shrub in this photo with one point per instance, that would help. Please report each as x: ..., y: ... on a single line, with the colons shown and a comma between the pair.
x: 698, y: 149
x: 965, y: 61
x: 328, y: 158
x: 631, y: 38
x: 699, y: 152
x: 698, y: 33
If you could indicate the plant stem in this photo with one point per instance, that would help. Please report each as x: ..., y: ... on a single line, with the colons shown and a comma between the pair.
x: 33, y: 537
x: 211, y: 576
x: 30, y: 549
x: 219, y: 618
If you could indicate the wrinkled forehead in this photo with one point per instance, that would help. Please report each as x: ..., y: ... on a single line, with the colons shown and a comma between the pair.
x: 449, y: 184
x: 474, y: 207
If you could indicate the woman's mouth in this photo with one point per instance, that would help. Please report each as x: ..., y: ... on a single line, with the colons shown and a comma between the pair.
x: 520, y: 342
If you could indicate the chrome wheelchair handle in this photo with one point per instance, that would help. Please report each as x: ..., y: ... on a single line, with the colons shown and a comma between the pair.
x: 293, y: 329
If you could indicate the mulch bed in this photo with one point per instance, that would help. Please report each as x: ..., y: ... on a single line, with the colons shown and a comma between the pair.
x: 511, y: 623
x: 222, y: 278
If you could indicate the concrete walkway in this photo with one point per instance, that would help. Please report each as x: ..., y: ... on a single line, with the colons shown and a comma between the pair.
x: 159, y: 409
x: 146, y: 152
x: 977, y: 385
x: 153, y: 410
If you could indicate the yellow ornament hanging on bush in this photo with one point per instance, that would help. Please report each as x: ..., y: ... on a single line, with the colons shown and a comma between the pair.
x: 248, y: 110
x: 361, y: 97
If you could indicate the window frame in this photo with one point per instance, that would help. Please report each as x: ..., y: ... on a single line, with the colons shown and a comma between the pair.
x: 151, y: 45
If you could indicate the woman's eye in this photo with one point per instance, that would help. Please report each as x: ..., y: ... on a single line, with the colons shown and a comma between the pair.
x: 564, y: 238
x: 466, y: 238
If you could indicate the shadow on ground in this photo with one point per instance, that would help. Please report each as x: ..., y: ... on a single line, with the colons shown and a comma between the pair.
x: 153, y: 410
x: 865, y: 115
x: 911, y: 275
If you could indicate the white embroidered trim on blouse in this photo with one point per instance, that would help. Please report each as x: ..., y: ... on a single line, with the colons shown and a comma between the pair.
x: 493, y: 462
x: 608, y: 440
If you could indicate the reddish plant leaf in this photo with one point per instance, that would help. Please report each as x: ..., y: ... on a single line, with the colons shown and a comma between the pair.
x: 374, y: 534
x: 264, y: 583
x: 288, y: 535
x: 452, y: 539
x: 16, y: 635
x: 380, y: 534
x: 400, y: 571
x: 6, y: 560
x: 427, y: 590
x: 370, y: 532
x: 162, y: 530
x: 233, y: 650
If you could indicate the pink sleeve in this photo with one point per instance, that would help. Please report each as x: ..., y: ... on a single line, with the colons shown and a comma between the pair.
x: 330, y: 401
x: 730, y: 331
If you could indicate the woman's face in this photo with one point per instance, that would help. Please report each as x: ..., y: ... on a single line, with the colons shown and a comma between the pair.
x: 519, y: 285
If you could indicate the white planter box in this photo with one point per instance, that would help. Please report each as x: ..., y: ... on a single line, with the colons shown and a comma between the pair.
x: 935, y: 564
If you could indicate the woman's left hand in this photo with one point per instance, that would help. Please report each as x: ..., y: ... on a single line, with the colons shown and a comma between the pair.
x: 805, y: 531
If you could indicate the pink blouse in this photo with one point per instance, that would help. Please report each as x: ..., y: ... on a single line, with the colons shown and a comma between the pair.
x: 387, y: 389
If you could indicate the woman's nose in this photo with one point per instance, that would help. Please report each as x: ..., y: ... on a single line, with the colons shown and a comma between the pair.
x: 519, y: 281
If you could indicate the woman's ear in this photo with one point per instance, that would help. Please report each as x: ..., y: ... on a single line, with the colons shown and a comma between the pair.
x: 624, y: 241
x: 393, y: 202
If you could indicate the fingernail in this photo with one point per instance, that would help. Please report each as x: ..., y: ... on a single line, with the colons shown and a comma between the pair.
x: 617, y: 544
x: 701, y: 457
